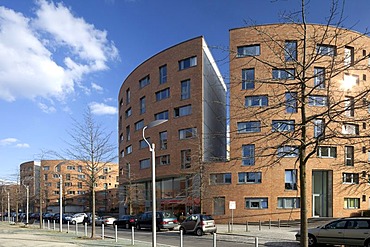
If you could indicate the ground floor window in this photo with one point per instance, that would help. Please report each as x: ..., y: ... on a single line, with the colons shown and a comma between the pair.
x: 289, y: 202
x: 219, y: 205
x: 351, y: 203
x: 256, y: 203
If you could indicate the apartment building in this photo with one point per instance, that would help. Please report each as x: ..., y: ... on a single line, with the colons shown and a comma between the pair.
x: 289, y: 92
x: 183, y: 85
x: 47, y: 175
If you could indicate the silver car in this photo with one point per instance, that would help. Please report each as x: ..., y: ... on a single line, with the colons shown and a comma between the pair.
x: 345, y: 231
x: 198, y: 224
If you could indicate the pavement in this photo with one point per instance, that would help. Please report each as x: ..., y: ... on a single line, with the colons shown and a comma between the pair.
x: 18, y: 234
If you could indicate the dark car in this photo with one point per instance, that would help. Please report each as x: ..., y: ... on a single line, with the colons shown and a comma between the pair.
x: 64, y: 217
x: 198, y: 224
x: 126, y: 221
x: 165, y: 220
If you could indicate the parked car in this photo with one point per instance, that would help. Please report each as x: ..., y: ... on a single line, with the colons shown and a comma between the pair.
x: 65, y: 217
x: 126, y: 221
x: 345, y: 231
x: 198, y: 224
x: 106, y: 220
x: 78, y: 218
x: 165, y: 220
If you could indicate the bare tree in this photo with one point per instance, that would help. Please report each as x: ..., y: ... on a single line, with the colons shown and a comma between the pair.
x: 91, y: 146
x: 315, y: 97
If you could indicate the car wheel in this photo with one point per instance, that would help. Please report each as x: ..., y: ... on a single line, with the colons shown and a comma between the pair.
x: 183, y: 230
x: 199, y: 232
x: 367, y: 243
x: 73, y: 222
x: 311, y: 240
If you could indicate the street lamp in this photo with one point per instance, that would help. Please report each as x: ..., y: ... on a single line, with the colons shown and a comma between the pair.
x: 60, y: 202
x: 28, y: 200
x: 152, y: 149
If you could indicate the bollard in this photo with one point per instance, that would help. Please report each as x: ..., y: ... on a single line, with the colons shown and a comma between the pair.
x: 54, y: 225
x: 181, y: 238
x: 256, y: 241
x: 246, y: 226
x: 102, y: 231
x: 132, y: 235
x: 48, y: 224
x: 269, y: 223
x: 67, y: 226
x: 76, y: 228
x: 279, y: 223
x: 214, y: 240
x: 43, y: 224
x: 228, y: 226
x: 85, y: 229
x: 260, y: 226
x: 115, y: 230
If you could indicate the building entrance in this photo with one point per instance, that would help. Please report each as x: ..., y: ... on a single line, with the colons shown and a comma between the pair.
x: 322, y: 195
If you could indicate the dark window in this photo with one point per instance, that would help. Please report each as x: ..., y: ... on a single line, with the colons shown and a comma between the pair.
x: 247, y: 79
x: 290, y: 50
x: 249, y: 50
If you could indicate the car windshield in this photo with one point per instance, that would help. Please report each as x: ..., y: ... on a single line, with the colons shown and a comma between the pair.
x: 207, y: 217
x: 168, y: 215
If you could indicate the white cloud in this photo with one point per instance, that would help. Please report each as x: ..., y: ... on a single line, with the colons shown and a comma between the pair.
x: 96, y: 87
x: 102, y: 109
x: 13, y: 142
x: 46, y: 109
x: 33, y: 60
x: 8, y: 141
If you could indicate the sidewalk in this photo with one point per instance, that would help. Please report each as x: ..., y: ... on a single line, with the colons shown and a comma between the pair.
x: 14, y: 235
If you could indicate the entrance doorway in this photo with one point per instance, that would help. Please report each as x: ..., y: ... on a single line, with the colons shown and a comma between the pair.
x: 322, y: 195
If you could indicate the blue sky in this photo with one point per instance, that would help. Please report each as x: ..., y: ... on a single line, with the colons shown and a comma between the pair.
x: 59, y: 57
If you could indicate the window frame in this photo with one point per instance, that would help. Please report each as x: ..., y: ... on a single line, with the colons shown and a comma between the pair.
x: 283, y: 125
x: 248, y: 50
x: 188, y: 63
x: 248, y: 155
x: 246, y: 177
x: 249, y: 127
x: 331, y: 152
x: 290, y: 50
x: 262, y: 202
x: 248, y: 80
x: 250, y: 101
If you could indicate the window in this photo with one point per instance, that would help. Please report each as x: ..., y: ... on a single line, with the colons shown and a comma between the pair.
x: 316, y: 100
x: 46, y: 177
x: 248, y: 50
x: 249, y: 177
x: 143, y: 143
x: 185, y: 159
x: 139, y: 125
x: 79, y: 185
x: 256, y: 203
x: 283, y: 74
x: 81, y: 176
x: 247, y: 79
x: 351, y: 203
x: 319, y: 128
x: 128, y: 112
x: 128, y: 133
x: 220, y: 178
x: 182, y: 111
x: 46, y: 168
x: 68, y: 176
x: 349, y: 56
x: 187, y: 63
x: 163, y: 140
x: 71, y: 192
x: 259, y: 100
x: 55, y: 175
x: 128, y: 96
x: 290, y: 50
x: 291, y: 179
x: 283, y: 125
x: 349, y: 155
x: 79, y: 168
x: 350, y: 178
x: 145, y: 81
x: 291, y: 105
x: 68, y: 184
x: 142, y: 105
x: 349, y: 106
x: 185, y: 89
x: 161, y: 115
x: 219, y: 205
x: 163, y: 160
x: 144, y: 164
x: 187, y: 133
x: 163, y: 74
x: 326, y: 50
x: 121, y: 138
x: 249, y: 127
x: 319, y: 80
x: 288, y: 151
x: 248, y: 155
x: 350, y: 129
x: 289, y: 202
x: 163, y: 94
x: 71, y: 168
x: 327, y: 152
x: 129, y: 149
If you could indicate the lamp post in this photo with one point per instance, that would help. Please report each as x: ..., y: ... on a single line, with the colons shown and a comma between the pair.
x: 27, y: 200
x: 154, y: 200
x: 60, y: 202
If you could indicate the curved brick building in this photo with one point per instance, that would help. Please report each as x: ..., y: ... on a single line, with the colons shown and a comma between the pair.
x: 181, y: 84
